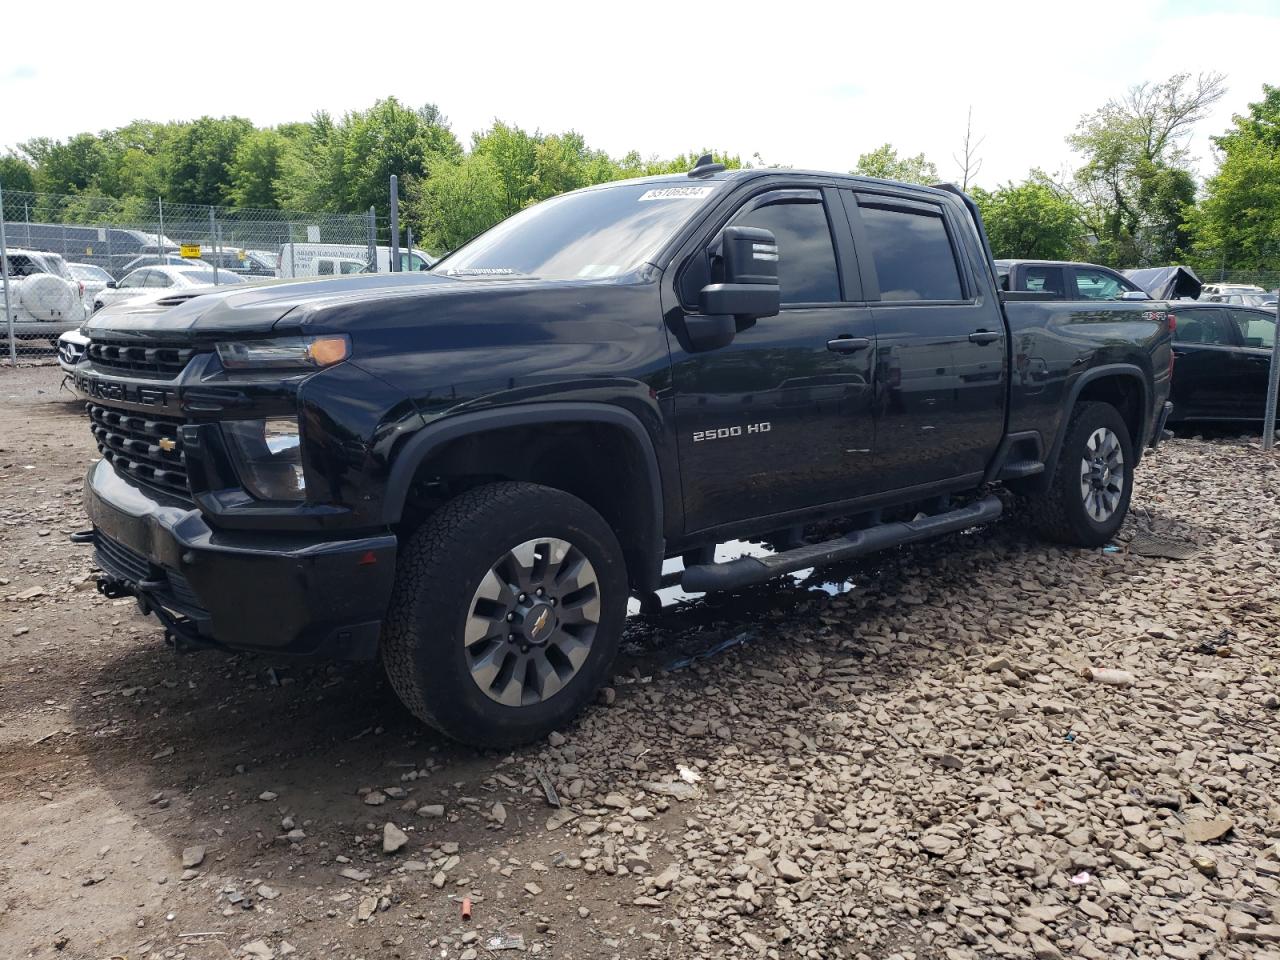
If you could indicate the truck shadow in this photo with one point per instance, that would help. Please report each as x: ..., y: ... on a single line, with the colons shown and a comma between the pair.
x: 188, y: 745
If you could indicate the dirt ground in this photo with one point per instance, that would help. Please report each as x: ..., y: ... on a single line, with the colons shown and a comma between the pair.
x: 906, y: 763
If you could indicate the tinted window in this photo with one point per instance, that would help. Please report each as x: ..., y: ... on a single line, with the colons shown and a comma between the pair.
x: 1257, y: 329
x: 1100, y: 284
x: 325, y: 268
x: 1203, y: 326
x: 912, y: 253
x: 136, y: 279
x: 1046, y: 280
x: 806, y: 257
x: 352, y: 266
x: 157, y: 279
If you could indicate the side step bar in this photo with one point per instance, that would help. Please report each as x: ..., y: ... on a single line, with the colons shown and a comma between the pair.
x: 747, y: 570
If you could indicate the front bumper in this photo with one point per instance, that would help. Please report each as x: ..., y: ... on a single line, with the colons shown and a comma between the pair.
x: 285, y: 593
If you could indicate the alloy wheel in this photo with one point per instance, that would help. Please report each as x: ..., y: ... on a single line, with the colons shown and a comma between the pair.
x: 1102, y: 474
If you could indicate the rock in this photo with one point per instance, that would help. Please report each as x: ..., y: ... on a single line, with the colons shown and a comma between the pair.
x: 266, y: 796
x: 267, y: 893
x: 367, y: 908
x: 1205, y: 864
x: 432, y: 811
x: 789, y: 870
x: 533, y: 889
x: 1206, y: 831
x: 617, y: 801
x: 1120, y: 936
x: 192, y: 856
x: 754, y: 943
x: 640, y: 814
x: 555, y: 739
x: 1116, y: 886
x: 393, y: 838
x: 667, y: 878
x: 375, y: 798
x: 1043, y: 949
x: 499, y: 814
x: 937, y: 844
x: 351, y: 873
x: 257, y: 950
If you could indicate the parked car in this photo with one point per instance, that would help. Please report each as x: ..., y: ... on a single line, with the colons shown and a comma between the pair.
x: 44, y: 298
x: 1244, y: 299
x: 468, y: 471
x: 71, y: 350
x: 1212, y: 290
x: 93, y: 280
x: 160, y: 279
x: 1064, y: 280
x: 168, y: 260
x: 247, y: 263
x: 1223, y: 356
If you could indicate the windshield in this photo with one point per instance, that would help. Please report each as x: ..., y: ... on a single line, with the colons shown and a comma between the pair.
x: 595, y: 233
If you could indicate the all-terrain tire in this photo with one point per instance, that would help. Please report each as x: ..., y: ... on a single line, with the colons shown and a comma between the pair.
x: 1061, y: 513
x: 438, y: 574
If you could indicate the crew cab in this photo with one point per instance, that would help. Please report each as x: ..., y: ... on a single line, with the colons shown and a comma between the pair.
x: 468, y: 471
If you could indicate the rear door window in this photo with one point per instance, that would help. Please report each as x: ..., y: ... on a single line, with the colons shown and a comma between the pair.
x: 1046, y: 280
x: 913, y: 255
x: 1209, y: 327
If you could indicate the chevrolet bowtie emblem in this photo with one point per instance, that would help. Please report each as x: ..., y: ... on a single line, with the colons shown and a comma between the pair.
x: 167, y: 445
x: 540, y: 622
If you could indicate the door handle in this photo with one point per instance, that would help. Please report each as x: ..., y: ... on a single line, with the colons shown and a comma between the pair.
x: 985, y: 336
x: 848, y: 344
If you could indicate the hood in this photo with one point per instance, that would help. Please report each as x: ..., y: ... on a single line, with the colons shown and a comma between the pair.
x: 248, y: 308
x: 1167, y: 283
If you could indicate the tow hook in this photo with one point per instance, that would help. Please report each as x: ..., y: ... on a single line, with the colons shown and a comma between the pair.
x: 113, y: 588
x: 81, y: 537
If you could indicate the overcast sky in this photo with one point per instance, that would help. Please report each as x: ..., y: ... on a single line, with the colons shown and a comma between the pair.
x: 805, y: 84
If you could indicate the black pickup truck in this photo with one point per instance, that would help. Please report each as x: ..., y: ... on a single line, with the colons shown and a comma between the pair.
x: 469, y: 471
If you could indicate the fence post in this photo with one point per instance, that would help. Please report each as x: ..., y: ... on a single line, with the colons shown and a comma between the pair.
x: 408, y: 246
x: 159, y: 242
x: 373, y: 239
x: 4, y: 270
x: 1273, y: 385
x: 395, y: 223
x: 213, y: 240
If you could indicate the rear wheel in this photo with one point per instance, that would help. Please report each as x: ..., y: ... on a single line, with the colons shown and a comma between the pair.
x: 506, y: 614
x: 1088, y: 495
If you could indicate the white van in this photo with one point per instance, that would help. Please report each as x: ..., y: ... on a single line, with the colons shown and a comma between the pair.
x: 330, y: 259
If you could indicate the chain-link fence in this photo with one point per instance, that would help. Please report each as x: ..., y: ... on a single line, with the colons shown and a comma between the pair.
x: 65, y: 255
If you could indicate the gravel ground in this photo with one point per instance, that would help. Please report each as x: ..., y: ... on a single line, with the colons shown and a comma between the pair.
x: 910, y: 765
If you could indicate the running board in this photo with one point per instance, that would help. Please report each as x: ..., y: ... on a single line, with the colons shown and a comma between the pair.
x: 747, y: 570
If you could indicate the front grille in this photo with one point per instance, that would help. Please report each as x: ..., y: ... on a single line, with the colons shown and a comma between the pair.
x: 148, y: 448
x: 140, y: 358
x: 120, y: 561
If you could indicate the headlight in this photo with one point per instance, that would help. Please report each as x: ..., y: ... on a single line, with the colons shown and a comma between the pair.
x: 284, y: 352
x: 268, y: 454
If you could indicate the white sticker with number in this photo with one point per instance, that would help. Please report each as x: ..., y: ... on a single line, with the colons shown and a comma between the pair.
x: 677, y: 193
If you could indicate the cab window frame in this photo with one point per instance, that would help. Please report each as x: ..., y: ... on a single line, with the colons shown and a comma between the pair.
x: 857, y: 199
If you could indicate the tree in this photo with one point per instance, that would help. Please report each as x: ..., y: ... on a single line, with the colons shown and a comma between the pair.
x: 16, y: 173
x: 884, y: 162
x: 1134, y: 185
x: 457, y: 201
x: 196, y: 159
x: 1239, y: 219
x: 1030, y: 221
x: 257, y: 169
x: 71, y: 167
x: 968, y: 161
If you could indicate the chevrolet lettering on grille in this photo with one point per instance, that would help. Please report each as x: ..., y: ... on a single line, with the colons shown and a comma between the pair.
x: 123, y: 392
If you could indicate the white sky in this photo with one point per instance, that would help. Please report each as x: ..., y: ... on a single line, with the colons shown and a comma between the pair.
x: 806, y: 84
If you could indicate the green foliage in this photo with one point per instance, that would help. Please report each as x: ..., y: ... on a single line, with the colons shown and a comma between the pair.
x: 1134, y: 186
x: 884, y: 162
x: 456, y: 201
x: 16, y: 173
x: 196, y: 159
x: 256, y: 168
x: 1030, y: 220
x: 1238, y: 222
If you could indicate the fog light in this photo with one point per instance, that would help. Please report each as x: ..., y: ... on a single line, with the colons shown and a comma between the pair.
x: 268, y: 455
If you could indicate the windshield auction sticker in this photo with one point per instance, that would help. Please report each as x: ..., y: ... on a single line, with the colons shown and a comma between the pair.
x: 677, y: 193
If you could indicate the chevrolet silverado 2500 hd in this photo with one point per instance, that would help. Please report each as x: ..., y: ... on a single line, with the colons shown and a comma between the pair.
x: 468, y: 471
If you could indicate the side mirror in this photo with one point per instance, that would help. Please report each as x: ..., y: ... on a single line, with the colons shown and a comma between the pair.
x: 1134, y: 295
x: 750, y: 288
x: 111, y: 284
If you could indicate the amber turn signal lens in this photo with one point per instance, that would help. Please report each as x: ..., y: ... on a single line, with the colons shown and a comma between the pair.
x: 328, y: 350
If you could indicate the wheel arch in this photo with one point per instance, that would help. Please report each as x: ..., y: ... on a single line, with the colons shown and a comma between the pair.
x: 1124, y: 386
x: 551, y: 439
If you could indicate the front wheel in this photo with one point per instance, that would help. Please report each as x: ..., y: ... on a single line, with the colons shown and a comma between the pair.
x: 1088, y: 495
x: 507, y: 611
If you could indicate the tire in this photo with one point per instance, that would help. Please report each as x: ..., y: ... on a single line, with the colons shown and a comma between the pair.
x: 1088, y: 495
x: 49, y: 298
x: 460, y: 633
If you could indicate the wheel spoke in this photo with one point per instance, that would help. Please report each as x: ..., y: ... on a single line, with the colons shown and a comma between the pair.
x: 485, y: 669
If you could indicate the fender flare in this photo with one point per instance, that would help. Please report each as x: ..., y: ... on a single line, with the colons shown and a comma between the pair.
x: 435, y: 435
x: 1097, y: 373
